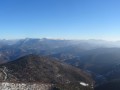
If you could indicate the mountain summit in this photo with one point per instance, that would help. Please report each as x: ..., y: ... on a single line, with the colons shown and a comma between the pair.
x: 33, y: 68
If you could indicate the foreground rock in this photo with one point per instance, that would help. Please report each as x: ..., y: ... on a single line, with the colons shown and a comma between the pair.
x: 23, y: 86
x: 32, y: 69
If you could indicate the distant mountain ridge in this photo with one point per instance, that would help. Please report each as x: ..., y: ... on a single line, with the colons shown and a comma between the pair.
x: 13, y: 49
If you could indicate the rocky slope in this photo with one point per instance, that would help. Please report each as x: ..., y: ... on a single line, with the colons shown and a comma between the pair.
x: 32, y: 68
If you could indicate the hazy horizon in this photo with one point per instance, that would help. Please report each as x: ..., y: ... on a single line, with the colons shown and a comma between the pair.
x: 101, y: 39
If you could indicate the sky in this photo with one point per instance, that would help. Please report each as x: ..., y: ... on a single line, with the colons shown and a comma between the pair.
x: 60, y: 19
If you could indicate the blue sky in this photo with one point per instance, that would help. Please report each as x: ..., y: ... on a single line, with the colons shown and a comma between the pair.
x: 65, y: 19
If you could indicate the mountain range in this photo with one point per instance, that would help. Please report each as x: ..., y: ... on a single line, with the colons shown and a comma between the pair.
x: 98, y: 58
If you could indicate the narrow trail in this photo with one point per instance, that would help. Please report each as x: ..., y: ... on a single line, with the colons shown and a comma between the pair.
x: 4, y: 71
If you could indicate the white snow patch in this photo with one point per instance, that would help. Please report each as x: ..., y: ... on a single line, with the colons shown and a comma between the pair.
x: 84, y: 84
